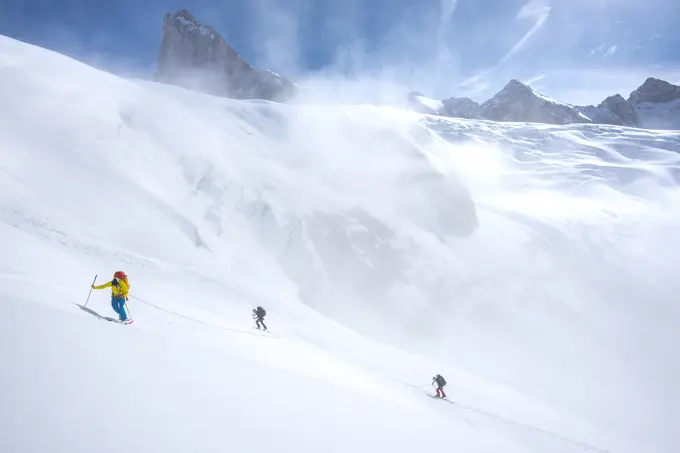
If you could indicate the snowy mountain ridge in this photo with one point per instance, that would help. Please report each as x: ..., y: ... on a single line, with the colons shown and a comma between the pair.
x: 654, y: 105
x: 518, y: 102
x: 534, y: 266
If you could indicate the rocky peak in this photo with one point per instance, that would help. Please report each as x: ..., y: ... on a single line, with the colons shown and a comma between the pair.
x: 613, y: 100
x: 195, y: 56
x: 621, y: 108
x: 184, y: 21
x: 656, y: 91
x: 613, y: 110
x: 518, y: 102
x: 517, y: 87
x: 514, y: 91
x: 461, y: 108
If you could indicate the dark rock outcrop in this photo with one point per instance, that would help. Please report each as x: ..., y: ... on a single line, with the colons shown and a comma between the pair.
x: 655, y: 91
x: 613, y: 110
x: 657, y: 104
x: 461, y: 108
x: 195, y: 56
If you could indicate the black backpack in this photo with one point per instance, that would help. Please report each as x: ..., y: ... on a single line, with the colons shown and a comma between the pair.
x: 261, y: 312
x: 440, y: 380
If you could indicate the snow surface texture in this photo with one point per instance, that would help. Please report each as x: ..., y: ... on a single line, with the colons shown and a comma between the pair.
x: 534, y: 266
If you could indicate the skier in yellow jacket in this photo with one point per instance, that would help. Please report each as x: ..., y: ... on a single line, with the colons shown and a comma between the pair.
x: 120, y: 289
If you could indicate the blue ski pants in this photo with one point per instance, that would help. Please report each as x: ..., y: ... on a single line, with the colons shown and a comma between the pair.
x: 118, y: 304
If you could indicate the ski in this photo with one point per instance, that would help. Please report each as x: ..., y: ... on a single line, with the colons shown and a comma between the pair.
x: 117, y: 321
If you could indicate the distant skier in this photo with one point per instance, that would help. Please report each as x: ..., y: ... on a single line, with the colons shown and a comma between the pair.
x: 258, y: 315
x: 441, y: 382
x: 120, y: 288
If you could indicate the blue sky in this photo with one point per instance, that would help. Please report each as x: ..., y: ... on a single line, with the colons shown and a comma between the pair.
x: 578, y: 51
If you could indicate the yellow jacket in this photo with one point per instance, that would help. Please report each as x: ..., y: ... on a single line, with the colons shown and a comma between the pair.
x: 121, y: 290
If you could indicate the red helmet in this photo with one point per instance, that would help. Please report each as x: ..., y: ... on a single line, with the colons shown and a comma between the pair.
x: 120, y: 274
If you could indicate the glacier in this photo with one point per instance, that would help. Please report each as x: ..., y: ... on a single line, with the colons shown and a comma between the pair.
x: 534, y: 266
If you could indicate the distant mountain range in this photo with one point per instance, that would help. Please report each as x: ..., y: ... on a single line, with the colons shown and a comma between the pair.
x: 195, y: 56
x: 654, y: 105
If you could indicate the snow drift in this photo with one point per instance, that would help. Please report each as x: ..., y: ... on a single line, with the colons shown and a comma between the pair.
x: 536, y: 258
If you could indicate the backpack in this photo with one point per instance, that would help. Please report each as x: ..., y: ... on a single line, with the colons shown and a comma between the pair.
x: 261, y: 312
x: 440, y: 380
x: 120, y: 275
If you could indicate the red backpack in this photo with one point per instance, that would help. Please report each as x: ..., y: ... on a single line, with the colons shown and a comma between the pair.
x: 120, y: 275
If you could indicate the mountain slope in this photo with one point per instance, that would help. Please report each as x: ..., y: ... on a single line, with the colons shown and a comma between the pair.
x: 486, y: 252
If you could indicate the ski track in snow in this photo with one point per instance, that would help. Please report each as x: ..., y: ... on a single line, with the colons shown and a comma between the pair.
x: 534, y: 266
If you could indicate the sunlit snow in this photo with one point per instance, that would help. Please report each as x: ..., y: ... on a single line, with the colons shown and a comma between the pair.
x: 534, y: 266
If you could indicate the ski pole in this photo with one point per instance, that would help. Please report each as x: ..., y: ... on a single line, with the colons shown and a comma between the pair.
x: 126, y: 307
x: 88, y: 296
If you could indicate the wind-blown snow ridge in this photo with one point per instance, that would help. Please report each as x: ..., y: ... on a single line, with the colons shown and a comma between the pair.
x: 532, y: 265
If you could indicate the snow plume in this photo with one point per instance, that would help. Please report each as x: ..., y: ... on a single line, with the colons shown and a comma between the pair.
x: 369, y: 55
x: 275, y: 33
x: 535, y: 79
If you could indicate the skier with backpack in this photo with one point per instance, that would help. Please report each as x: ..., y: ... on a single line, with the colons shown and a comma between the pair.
x: 441, y: 382
x: 120, y: 288
x: 258, y: 315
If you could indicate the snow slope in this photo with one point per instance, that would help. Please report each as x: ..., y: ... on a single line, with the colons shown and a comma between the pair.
x: 533, y: 266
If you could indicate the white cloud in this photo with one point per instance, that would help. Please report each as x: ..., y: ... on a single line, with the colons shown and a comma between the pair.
x: 597, y: 49
x: 583, y: 86
x: 611, y: 51
x: 476, y: 84
x: 537, y: 10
